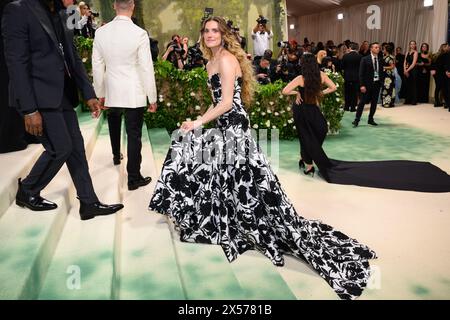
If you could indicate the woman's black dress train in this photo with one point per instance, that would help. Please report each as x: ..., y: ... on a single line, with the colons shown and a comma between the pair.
x: 398, y: 174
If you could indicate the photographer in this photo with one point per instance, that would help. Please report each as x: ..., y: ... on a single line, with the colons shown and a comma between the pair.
x: 86, y: 26
x: 195, y: 58
x: 236, y: 32
x: 175, y: 52
x: 262, y: 71
x: 261, y: 36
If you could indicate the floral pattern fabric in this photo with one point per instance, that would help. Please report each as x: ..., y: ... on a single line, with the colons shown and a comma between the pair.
x: 388, y: 90
x: 216, y: 195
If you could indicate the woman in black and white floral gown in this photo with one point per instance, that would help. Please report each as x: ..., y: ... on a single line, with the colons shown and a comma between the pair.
x: 219, y: 189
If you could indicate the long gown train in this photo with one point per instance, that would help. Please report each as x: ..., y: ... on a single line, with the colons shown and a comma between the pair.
x: 216, y: 195
x: 397, y: 174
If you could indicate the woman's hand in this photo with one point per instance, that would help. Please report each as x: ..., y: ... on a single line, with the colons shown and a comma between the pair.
x: 298, y: 99
x: 188, y: 126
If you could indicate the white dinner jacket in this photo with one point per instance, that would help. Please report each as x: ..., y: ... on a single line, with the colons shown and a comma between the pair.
x: 122, y: 65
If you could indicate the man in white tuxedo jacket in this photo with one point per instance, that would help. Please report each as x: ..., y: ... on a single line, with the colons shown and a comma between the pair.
x: 124, y: 79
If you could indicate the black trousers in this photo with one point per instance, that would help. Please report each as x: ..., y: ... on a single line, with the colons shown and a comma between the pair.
x: 371, y: 96
x: 134, y: 120
x: 63, y: 143
x: 351, y: 95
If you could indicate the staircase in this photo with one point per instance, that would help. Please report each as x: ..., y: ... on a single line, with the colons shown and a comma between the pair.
x: 135, y: 254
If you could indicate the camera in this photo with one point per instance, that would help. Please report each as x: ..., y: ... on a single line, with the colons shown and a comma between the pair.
x: 176, y: 48
x: 230, y: 25
x: 207, y: 13
x: 95, y: 14
x: 283, y: 44
x: 262, y: 20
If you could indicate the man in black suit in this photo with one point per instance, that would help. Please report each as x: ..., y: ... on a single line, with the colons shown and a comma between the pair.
x: 45, y: 72
x: 370, y: 79
x: 12, y: 130
x: 350, y: 67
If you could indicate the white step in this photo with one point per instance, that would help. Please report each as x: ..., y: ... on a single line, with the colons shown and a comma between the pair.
x: 29, y: 238
x: 82, y: 266
x: 147, y: 266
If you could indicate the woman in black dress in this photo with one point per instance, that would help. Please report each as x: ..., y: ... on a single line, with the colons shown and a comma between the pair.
x: 312, y: 130
x: 423, y: 74
x: 438, y: 73
x: 306, y: 108
x: 410, y: 72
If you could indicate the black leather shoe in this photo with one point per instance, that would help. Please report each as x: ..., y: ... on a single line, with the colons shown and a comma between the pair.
x: 135, y: 184
x: 34, y: 203
x: 355, y: 123
x: 372, y: 123
x: 116, y: 160
x: 90, y: 211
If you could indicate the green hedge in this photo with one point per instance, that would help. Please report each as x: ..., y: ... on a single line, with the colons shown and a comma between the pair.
x: 185, y: 95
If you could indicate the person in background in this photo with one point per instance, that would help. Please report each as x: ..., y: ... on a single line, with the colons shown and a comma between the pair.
x: 423, y: 74
x: 388, y: 85
x: 261, y: 36
x: 410, y: 67
x: 364, y: 50
x: 438, y: 73
x: 174, y: 52
x: 370, y: 79
x: 262, y: 71
x: 399, y: 65
x: 350, y: 67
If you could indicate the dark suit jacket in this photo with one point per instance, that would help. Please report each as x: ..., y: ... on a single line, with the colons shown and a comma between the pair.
x: 366, y: 71
x: 350, y: 66
x: 35, y: 61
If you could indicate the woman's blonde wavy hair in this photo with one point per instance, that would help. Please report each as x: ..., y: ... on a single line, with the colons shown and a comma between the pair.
x: 231, y: 44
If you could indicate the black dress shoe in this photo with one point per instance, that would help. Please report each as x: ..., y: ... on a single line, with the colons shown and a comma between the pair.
x: 89, y: 211
x: 372, y: 123
x: 34, y: 203
x: 116, y: 160
x: 355, y: 123
x: 134, y: 184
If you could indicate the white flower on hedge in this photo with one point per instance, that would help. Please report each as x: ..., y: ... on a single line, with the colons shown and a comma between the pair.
x: 294, y: 127
x: 267, y: 123
x: 269, y: 111
x: 271, y: 103
x: 282, y: 111
x: 84, y: 60
x: 274, y: 127
x: 259, y: 109
x: 168, y: 104
x: 252, y: 113
x: 257, y: 103
x: 255, y: 126
x: 276, y: 114
x: 197, y: 108
x: 263, y: 113
x: 281, y: 96
x: 188, y: 119
x: 161, y: 99
x: 192, y: 94
x: 178, y: 124
x: 337, y: 85
x: 288, y: 109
